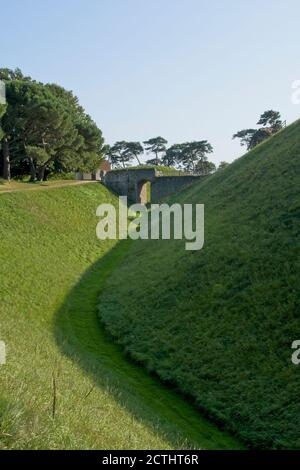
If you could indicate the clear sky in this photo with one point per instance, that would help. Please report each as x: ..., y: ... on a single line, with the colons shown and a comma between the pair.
x: 182, y: 69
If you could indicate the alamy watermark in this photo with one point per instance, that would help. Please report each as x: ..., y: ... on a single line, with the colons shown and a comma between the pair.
x: 295, y: 97
x: 2, y: 92
x: 296, y: 353
x: 2, y: 353
x: 160, y: 221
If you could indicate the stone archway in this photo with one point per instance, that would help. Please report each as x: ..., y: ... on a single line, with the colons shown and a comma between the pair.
x: 135, y: 184
x: 143, y: 191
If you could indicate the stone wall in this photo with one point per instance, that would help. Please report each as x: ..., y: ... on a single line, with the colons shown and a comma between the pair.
x: 130, y: 183
x: 166, y: 185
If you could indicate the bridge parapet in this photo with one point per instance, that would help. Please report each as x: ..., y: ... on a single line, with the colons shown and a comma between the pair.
x: 132, y: 183
x: 164, y: 186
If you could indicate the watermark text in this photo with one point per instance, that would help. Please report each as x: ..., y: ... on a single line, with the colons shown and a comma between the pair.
x: 160, y: 222
x: 295, y: 97
x: 2, y: 353
x: 2, y: 93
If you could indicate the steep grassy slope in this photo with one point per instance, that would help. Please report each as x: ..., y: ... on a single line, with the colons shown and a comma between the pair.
x: 52, y: 271
x: 219, y: 323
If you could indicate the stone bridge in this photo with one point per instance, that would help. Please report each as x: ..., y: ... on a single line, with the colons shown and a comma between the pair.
x: 133, y: 184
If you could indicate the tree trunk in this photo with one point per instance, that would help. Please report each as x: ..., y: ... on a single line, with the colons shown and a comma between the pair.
x: 6, y: 160
x: 138, y: 160
x: 32, y: 171
x: 41, y: 173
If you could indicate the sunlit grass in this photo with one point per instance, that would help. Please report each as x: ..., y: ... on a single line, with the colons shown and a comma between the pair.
x: 52, y: 271
x: 16, y: 185
x: 219, y: 323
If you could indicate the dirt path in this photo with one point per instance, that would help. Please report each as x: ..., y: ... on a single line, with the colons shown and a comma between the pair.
x: 16, y: 187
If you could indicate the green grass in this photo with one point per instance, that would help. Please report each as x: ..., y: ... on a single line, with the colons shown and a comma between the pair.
x: 219, y: 323
x: 52, y: 271
x: 18, y: 185
x: 166, y: 170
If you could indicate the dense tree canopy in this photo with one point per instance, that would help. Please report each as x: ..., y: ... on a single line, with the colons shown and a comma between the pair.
x: 8, y: 75
x: 45, y: 130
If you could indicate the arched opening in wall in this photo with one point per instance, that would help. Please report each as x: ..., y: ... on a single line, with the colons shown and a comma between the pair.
x: 144, y: 192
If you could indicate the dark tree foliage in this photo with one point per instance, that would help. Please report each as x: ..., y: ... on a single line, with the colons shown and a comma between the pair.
x: 46, y: 130
x: 204, y: 167
x: 4, y: 168
x: 271, y: 122
x: 154, y: 161
x: 246, y: 137
x: 194, y: 153
x: 190, y: 156
x: 8, y: 75
x: 2, y: 111
x: 173, y: 154
x: 119, y: 155
x: 156, y: 145
x: 134, y: 150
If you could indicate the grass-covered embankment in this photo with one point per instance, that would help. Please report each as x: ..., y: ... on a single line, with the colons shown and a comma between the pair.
x: 52, y: 271
x: 219, y: 323
x: 165, y: 170
x: 17, y: 185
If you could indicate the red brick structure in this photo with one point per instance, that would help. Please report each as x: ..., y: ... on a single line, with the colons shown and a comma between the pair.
x: 97, y: 175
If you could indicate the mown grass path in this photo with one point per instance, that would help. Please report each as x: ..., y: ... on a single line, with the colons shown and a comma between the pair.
x: 16, y: 186
x: 81, y: 336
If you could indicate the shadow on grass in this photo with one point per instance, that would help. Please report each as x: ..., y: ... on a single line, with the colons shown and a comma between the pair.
x: 81, y: 337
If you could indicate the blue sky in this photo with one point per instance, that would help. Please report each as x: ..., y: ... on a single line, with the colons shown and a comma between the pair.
x: 183, y: 69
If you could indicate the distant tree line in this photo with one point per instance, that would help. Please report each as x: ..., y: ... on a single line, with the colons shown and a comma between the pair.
x: 44, y: 130
x: 190, y: 157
